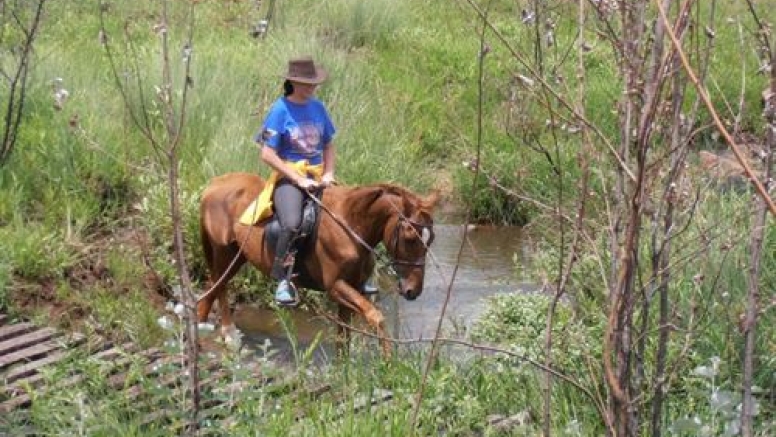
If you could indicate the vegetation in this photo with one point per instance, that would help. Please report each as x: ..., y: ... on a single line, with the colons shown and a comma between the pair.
x: 580, y: 121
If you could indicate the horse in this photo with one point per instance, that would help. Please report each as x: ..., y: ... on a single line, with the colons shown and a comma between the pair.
x: 353, y: 220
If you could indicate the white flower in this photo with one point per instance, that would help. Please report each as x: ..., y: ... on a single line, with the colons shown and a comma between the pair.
x: 715, y: 363
x: 233, y: 339
x: 705, y: 371
x: 165, y: 323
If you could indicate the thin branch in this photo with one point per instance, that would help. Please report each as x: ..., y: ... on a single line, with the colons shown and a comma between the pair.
x: 435, y: 343
x: 476, y: 346
x: 761, y: 190
x: 590, y: 125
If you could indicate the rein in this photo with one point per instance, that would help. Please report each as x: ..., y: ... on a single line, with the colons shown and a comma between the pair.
x: 394, y: 239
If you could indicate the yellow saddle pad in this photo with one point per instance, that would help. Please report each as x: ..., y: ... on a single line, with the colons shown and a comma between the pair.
x: 261, y: 207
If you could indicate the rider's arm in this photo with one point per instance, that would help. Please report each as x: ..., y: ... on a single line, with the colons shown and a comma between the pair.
x: 329, y: 163
x: 271, y: 158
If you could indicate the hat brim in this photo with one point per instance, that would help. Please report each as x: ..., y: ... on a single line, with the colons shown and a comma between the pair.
x: 320, y: 76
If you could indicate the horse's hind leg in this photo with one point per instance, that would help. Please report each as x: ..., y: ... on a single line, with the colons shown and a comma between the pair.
x: 225, y: 263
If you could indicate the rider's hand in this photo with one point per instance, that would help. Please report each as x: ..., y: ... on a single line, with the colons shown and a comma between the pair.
x: 327, y: 180
x: 307, y: 184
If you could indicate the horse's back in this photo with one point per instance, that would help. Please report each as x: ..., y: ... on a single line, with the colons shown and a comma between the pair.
x: 224, y: 200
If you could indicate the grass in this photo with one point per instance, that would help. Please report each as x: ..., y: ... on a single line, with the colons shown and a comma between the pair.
x: 460, y: 399
x: 403, y: 92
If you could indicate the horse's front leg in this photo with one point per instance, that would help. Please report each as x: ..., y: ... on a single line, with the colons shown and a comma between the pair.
x: 351, y: 299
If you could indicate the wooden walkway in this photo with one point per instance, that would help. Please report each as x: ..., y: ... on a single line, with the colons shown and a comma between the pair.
x: 27, y: 351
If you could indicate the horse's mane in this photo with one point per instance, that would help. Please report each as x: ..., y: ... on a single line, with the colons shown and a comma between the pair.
x: 361, y: 197
x: 388, y: 188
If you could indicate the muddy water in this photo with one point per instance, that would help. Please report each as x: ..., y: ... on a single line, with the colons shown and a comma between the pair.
x: 489, y: 263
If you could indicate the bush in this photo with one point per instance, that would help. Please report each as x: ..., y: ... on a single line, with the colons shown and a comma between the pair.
x: 520, y: 321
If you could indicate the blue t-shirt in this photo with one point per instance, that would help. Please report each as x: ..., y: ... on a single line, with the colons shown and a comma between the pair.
x: 297, y: 131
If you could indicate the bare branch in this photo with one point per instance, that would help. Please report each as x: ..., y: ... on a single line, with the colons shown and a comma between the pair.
x: 761, y: 190
x: 17, y: 78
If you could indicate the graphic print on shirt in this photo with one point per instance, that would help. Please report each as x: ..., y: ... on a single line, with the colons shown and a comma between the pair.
x: 306, y: 138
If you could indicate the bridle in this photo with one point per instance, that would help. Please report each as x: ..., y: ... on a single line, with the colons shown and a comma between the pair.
x: 392, y: 261
x: 419, y: 229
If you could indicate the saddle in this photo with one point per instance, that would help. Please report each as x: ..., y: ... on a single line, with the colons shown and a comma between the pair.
x: 308, y: 230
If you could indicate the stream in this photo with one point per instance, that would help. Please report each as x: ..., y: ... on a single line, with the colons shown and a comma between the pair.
x: 488, y: 265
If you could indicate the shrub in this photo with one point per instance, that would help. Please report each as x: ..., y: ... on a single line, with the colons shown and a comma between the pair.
x: 520, y: 321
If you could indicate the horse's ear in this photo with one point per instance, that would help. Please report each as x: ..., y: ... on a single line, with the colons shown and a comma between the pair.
x: 430, y: 201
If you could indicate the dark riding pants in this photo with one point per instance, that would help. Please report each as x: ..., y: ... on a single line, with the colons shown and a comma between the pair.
x: 287, y: 200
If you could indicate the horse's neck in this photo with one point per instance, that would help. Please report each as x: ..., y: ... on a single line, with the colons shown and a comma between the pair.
x: 370, y: 211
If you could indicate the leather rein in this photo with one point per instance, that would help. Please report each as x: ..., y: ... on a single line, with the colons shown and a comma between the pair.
x: 418, y: 227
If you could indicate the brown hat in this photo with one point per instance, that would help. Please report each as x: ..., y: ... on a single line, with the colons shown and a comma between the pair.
x: 303, y: 70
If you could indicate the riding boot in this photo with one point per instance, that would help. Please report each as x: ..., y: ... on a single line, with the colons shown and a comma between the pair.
x: 283, y: 265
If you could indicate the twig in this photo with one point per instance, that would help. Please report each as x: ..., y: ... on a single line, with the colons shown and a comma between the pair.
x: 448, y: 293
x: 761, y: 190
x: 466, y: 343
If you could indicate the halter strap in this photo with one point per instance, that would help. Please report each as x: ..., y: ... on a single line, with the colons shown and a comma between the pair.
x: 395, y: 241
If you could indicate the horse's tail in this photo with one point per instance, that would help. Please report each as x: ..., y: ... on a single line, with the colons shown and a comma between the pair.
x: 207, y: 246
x: 209, y: 223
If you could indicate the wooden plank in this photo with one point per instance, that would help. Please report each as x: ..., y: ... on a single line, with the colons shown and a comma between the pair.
x: 169, y: 380
x: 20, y: 387
x: 22, y: 376
x: 30, y: 368
x: 26, y: 340
x: 21, y: 399
x: 32, y: 380
x: 209, y: 409
x: 16, y: 402
x: 212, y: 409
x: 28, y: 353
x: 363, y: 402
x: 117, y: 359
x: 10, y: 331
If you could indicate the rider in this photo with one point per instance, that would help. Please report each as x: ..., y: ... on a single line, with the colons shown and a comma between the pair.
x: 296, y: 140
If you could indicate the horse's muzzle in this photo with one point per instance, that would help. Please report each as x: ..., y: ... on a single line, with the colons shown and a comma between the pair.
x: 411, y: 295
x: 410, y: 291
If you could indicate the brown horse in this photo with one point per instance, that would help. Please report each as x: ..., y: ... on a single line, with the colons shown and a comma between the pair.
x: 353, y: 220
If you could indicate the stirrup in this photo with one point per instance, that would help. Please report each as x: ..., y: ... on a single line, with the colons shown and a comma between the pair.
x: 285, y: 294
x: 369, y: 287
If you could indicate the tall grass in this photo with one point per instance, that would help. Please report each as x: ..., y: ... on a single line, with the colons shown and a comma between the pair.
x: 257, y: 397
x: 403, y: 93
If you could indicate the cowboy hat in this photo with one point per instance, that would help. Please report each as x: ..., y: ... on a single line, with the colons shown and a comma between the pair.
x: 304, y: 70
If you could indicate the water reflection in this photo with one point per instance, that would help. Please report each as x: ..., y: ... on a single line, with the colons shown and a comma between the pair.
x: 487, y: 266
x: 488, y: 260
x: 261, y: 324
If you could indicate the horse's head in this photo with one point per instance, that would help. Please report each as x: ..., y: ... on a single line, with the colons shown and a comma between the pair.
x: 407, y: 237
